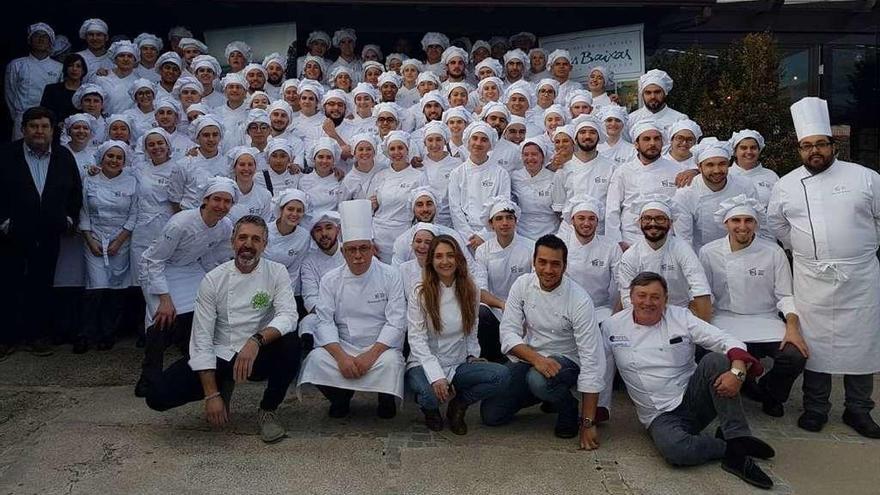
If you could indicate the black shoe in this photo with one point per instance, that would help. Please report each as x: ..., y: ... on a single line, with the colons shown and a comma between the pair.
x: 548, y: 408
x: 433, y: 419
x: 141, y: 389
x: 105, y: 345
x: 602, y: 415
x: 812, y: 421
x: 567, y: 423
x: 81, y: 346
x: 745, y: 469
x: 387, y: 407
x: 862, y: 423
x: 339, y: 409
x: 773, y: 408
x: 747, y: 446
x: 455, y: 413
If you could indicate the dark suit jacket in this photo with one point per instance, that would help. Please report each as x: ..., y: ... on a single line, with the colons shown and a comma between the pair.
x: 34, y: 219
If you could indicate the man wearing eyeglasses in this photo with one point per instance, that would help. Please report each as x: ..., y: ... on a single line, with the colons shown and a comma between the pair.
x: 361, y: 323
x: 828, y: 213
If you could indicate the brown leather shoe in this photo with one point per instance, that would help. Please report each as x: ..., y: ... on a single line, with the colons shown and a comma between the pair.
x: 455, y: 413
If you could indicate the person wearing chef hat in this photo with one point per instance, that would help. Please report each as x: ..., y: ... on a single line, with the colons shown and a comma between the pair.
x: 659, y: 252
x: 750, y: 279
x: 318, y: 262
x: 345, y: 39
x: 827, y: 212
x: 433, y: 45
x: 27, y: 76
x: 317, y: 43
x: 559, y: 64
x: 96, y: 34
x: 654, y: 88
x: 358, y: 347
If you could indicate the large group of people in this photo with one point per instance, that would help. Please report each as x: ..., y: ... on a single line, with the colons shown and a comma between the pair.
x: 470, y: 227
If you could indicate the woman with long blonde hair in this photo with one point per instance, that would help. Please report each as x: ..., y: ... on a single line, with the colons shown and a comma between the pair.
x: 444, y: 363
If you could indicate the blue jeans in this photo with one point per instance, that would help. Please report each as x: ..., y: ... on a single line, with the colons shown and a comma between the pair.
x: 473, y: 382
x: 529, y: 387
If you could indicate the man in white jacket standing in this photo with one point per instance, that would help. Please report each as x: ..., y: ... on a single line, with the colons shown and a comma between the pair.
x: 828, y: 212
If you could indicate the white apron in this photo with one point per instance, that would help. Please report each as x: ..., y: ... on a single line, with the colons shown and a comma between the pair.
x: 839, y: 307
x: 183, y: 286
x: 385, y: 376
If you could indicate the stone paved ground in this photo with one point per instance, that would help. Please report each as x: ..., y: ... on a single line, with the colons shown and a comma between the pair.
x: 70, y: 424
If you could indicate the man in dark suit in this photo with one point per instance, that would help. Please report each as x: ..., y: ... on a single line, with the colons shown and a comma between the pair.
x: 40, y: 199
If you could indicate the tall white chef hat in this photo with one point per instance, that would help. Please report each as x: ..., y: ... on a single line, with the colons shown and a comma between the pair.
x: 810, y: 117
x: 357, y: 220
x: 498, y: 204
x: 583, y: 202
x: 221, y: 184
x: 739, y: 205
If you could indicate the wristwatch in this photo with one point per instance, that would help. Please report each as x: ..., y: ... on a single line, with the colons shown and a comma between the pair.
x: 585, y: 423
x: 259, y: 339
x: 739, y: 374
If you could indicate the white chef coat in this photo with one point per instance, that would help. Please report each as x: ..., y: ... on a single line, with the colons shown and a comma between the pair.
x: 762, y: 178
x: 190, y: 176
x: 689, y: 163
x: 439, y: 354
x: 143, y: 122
x: 232, y: 120
x: 280, y: 182
x: 601, y: 100
x: 309, y: 129
x: 620, y: 152
x: 325, y: 193
x: 153, y: 212
x: 438, y: 178
x: 407, y: 97
x: 148, y: 73
x: 695, y: 206
x: 500, y: 267
x: 380, y: 317
x: 507, y: 155
x: 94, y: 62
x: 628, y: 182
x: 750, y: 287
x: 675, y: 261
x: 118, y: 99
x: 180, y: 256
x: 394, y: 215
x: 355, y: 184
x: 656, y: 362
x: 576, y: 178
x: 470, y: 187
x: 594, y: 267
x: 180, y: 142
x: 26, y: 77
x: 290, y: 250
x: 664, y: 118
x: 258, y: 201
x: 831, y: 222
x: 533, y: 195
x: 565, y: 90
x: 231, y: 306
x: 560, y: 322
x: 109, y: 206
x: 411, y: 274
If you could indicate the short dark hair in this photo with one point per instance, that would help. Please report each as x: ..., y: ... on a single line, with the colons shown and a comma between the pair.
x: 647, y: 278
x: 71, y: 59
x: 550, y: 241
x: 37, y: 113
x: 253, y: 220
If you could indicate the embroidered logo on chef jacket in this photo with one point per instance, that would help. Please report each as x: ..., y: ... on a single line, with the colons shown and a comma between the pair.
x: 667, y: 183
x: 601, y: 180
x: 667, y: 267
x: 487, y: 183
x: 518, y: 269
x: 378, y: 297
x: 840, y: 189
x: 163, y: 181
x: 597, y: 262
x: 619, y: 341
x: 764, y: 183
x: 292, y: 252
x: 260, y: 300
x: 543, y: 194
x: 754, y: 272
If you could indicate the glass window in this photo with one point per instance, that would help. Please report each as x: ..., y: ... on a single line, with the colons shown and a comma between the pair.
x: 795, y: 65
x: 852, y: 84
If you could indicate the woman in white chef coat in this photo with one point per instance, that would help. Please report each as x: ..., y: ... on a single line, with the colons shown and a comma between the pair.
x: 106, y: 221
x: 444, y: 363
x: 747, y: 146
x: 411, y: 270
x: 143, y: 93
x: 531, y: 187
x: 289, y: 238
x: 324, y: 187
x: 120, y: 127
x: 438, y: 164
x: 616, y: 147
x: 389, y: 194
x: 277, y: 177
x: 367, y: 163
x: 253, y: 199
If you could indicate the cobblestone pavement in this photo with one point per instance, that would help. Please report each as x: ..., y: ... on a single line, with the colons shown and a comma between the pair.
x: 70, y: 424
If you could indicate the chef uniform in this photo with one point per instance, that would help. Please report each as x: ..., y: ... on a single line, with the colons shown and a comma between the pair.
x: 439, y: 172
x: 95, y: 62
x: 831, y: 221
x: 316, y: 264
x: 192, y: 173
x: 762, y: 178
x: 326, y: 192
x: 356, y: 183
x: 290, y: 249
x: 378, y: 317
x: 666, y: 116
x: 26, y: 77
x: 271, y: 180
x: 117, y: 88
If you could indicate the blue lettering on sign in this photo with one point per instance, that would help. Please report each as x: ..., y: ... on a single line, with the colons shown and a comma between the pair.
x: 588, y: 57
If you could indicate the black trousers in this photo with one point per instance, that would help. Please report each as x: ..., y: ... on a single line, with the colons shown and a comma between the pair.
x: 788, y: 364
x: 67, y: 313
x: 338, y: 395
x: 26, y: 277
x: 102, y: 314
x: 488, y: 336
x: 159, y: 340
x: 179, y: 384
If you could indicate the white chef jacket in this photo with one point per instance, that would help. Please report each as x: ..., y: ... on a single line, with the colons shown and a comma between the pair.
x: 762, y: 178
x: 109, y: 206
x: 315, y: 265
x: 355, y: 184
x: 143, y: 122
x: 180, y: 256
x: 675, y: 261
x: 407, y: 97
x: 533, y: 195
x: 576, y: 178
x: 26, y: 77
x: 392, y: 189
x: 565, y: 90
x: 325, y: 193
x: 664, y: 118
x: 628, y: 182
x: 94, y: 62
x: 118, y: 99
x: 656, y: 362
x: 153, y: 211
x: 470, y: 187
x: 256, y: 202
x: 750, y: 287
x: 232, y: 306
x: 290, y: 250
x: 689, y: 163
x: 501, y: 267
x: 438, y: 178
x: 506, y: 155
x: 831, y: 222
x: 560, y: 322
x: 439, y: 354
x: 190, y: 176
x: 180, y: 142
x: 594, y: 267
x: 309, y: 129
x: 280, y: 182
x: 148, y: 73
x: 411, y: 274
x: 232, y: 120
x: 620, y: 152
x: 695, y: 206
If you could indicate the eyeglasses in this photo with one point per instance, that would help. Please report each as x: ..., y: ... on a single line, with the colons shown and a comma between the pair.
x: 821, y: 146
x: 385, y: 119
x: 659, y: 219
x: 262, y: 127
x: 684, y: 140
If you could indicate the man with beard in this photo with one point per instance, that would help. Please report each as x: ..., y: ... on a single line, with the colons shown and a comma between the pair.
x: 336, y: 126
x: 276, y: 66
x: 648, y: 173
x: 432, y: 104
x: 506, y: 154
x: 514, y: 65
x: 653, y: 88
x: 255, y: 75
x: 455, y: 60
x: 671, y: 257
x: 96, y: 34
x: 828, y: 213
x: 587, y: 173
x: 751, y: 281
x: 244, y: 325
x: 325, y: 233
x: 695, y: 204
